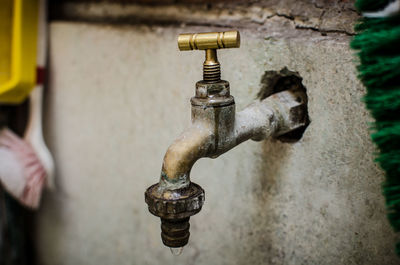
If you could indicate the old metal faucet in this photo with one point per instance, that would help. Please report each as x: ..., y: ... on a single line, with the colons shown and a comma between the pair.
x: 216, y: 128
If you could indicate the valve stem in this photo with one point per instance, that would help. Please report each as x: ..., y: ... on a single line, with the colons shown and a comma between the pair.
x: 211, y: 67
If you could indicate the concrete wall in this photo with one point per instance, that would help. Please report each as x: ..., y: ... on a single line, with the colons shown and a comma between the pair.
x: 119, y: 94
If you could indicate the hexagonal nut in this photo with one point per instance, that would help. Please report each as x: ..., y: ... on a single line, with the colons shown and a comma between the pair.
x: 293, y: 108
x: 187, y: 203
x: 205, y: 90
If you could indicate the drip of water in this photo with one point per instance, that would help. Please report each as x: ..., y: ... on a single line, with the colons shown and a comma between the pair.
x: 176, y: 251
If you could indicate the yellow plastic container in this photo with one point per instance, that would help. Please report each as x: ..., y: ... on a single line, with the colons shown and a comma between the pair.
x: 18, y: 42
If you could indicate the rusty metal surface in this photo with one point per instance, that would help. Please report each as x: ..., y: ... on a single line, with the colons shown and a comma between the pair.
x: 175, y: 210
x: 180, y: 204
x: 175, y: 232
x: 215, y: 129
x: 215, y: 94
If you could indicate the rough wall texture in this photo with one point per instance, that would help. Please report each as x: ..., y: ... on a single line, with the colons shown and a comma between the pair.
x: 120, y: 94
x: 323, y: 16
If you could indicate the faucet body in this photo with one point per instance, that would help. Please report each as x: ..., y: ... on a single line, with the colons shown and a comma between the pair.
x: 215, y: 128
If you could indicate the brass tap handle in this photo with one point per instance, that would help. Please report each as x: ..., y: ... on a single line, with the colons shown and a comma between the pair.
x: 210, y: 42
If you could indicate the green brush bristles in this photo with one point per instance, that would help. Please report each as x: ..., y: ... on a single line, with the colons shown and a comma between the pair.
x: 378, y: 45
x: 371, y: 5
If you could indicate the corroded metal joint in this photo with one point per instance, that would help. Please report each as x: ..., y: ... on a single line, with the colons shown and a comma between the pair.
x: 212, y: 94
x: 175, y: 209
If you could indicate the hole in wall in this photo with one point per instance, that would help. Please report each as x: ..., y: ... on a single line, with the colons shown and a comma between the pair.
x: 277, y: 81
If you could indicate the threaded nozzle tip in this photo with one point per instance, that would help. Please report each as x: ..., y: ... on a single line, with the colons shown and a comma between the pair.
x: 175, y: 232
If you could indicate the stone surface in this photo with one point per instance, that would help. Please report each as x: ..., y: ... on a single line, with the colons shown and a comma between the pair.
x: 323, y: 16
x: 118, y: 97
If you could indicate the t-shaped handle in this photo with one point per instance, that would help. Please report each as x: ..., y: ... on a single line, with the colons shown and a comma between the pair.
x: 209, y: 41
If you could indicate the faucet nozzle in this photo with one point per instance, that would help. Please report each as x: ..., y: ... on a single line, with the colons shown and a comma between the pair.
x: 175, y: 232
x: 175, y: 207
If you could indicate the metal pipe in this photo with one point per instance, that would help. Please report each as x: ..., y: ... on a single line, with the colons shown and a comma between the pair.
x: 182, y: 154
x: 214, y: 131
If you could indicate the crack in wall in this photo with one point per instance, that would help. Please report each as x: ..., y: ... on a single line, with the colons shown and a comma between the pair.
x: 317, y: 28
x: 325, y: 32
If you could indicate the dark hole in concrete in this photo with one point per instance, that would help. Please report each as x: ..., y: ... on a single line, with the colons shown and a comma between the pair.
x: 277, y: 81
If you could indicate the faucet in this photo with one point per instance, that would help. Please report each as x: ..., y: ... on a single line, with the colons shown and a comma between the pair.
x: 216, y: 128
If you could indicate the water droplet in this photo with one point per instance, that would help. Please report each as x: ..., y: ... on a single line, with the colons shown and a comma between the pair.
x: 176, y: 251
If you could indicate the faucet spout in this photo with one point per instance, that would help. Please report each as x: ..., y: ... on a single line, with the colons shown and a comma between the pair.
x: 193, y: 144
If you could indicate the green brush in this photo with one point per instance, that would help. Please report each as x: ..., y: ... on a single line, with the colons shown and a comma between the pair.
x: 378, y: 45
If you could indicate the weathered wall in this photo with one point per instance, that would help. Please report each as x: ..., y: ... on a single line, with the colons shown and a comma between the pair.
x: 119, y: 94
